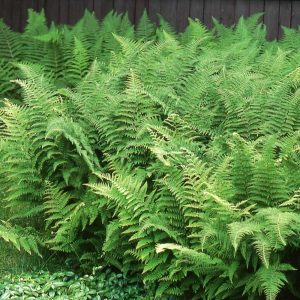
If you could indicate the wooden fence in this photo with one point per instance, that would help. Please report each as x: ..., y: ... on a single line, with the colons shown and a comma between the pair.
x: 276, y: 12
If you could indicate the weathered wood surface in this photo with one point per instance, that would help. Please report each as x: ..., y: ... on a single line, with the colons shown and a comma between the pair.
x: 277, y: 13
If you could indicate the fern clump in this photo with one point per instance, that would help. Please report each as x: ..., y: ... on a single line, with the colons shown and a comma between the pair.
x: 171, y: 156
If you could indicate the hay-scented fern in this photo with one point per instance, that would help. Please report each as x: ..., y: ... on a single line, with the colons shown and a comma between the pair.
x: 174, y: 157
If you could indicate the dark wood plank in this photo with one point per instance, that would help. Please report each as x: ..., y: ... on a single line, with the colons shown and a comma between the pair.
x: 16, y: 15
x: 257, y: 6
x: 285, y: 13
x: 154, y: 9
x: 7, y: 11
x: 26, y: 5
x: 51, y: 8
x: 271, y: 18
x: 2, y: 12
x: 33, y: 4
x: 89, y: 5
x: 140, y: 6
x: 183, y: 12
x: 210, y: 10
x: 197, y: 9
x: 216, y: 11
x: 64, y: 11
x: 128, y: 6
x: 168, y: 9
x: 40, y: 4
x: 242, y: 8
x: 228, y: 12
x: 120, y: 6
x: 23, y: 15
x: 102, y: 8
x: 76, y: 10
x: 295, y: 20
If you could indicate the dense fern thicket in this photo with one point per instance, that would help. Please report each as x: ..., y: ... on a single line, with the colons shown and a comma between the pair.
x: 172, y: 156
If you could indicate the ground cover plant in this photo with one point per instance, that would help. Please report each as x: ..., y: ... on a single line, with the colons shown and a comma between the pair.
x: 67, y: 285
x: 172, y: 157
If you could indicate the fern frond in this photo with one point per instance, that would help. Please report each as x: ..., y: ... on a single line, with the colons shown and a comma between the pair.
x: 271, y: 280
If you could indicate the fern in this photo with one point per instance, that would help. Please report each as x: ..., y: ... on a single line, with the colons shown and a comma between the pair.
x: 145, y: 29
x: 270, y: 280
x: 21, y: 238
x: 10, y: 45
x: 172, y: 156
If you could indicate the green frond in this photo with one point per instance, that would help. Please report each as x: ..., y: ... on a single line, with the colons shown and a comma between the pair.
x: 195, y: 31
x: 72, y: 132
x: 263, y: 248
x: 145, y: 29
x: 164, y: 29
x: 77, y: 64
x: 21, y: 238
x: 239, y: 230
x: 271, y: 280
x: 10, y: 44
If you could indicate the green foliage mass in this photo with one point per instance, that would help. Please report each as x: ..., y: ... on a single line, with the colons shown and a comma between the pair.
x: 171, y: 156
x: 69, y: 286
